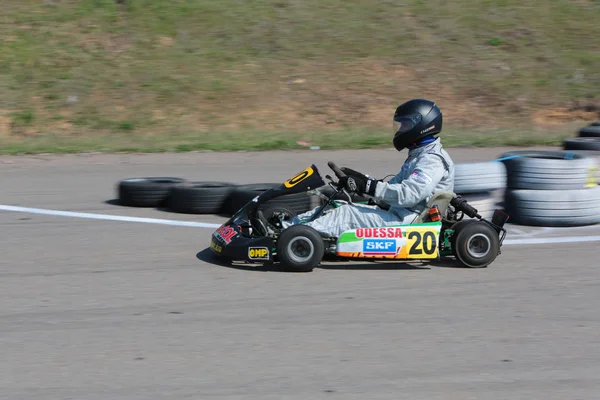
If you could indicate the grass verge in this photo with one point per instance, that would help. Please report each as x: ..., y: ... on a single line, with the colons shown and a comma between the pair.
x: 93, y: 75
x: 259, y: 141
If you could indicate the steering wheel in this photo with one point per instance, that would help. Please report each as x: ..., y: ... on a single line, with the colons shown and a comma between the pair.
x: 336, y: 170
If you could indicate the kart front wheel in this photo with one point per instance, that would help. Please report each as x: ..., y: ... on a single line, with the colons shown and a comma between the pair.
x: 476, y: 245
x: 300, y: 248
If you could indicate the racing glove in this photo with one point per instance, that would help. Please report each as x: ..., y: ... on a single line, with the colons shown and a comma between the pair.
x: 357, y: 182
x: 353, y: 173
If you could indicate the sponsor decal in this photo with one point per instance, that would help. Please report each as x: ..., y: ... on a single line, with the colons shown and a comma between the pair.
x: 385, y: 247
x: 258, y: 253
x: 428, y: 129
x: 298, y: 178
x: 352, y: 184
x: 225, y: 233
x: 421, y: 177
x: 215, y: 246
x: 378, y: 233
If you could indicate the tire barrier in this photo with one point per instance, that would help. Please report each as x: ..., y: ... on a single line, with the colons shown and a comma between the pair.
x: 582, y: 143
x: 479, y: 177
x: 548, y: 170
x: 538, y: 188
x: 551, y: 188
x: 242, y: 194
x: 199, y: 197
x: 595, y: 155
x: 146, y: 192
x: 587, y: 144
x: 560, y: 208
x: 485, y: 202
x: 590, y: 131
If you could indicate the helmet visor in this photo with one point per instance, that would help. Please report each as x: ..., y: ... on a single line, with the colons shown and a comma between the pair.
x: 405, y: 123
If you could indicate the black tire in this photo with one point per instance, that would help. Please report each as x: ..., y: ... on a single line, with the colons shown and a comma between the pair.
x: 242, y: 194
x: 146, y: 192
x: 457, y: 227
x: 300, y: 248
x: 590, y: 131
x: 582, y: 143
x: 479, y: 177
x: 477, y: 245
x: 199, y: 197
x: 547, y: 170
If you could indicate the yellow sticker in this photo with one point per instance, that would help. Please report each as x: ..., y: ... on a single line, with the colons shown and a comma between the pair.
x: 299, y: 178
x: 420, y: 243
x: 258, y: 253
x: 216, y: 247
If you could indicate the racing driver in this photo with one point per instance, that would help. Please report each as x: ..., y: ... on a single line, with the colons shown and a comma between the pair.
x: 428, y: 169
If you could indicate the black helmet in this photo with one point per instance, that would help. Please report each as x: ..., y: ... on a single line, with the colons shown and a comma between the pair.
x: 415, y: 120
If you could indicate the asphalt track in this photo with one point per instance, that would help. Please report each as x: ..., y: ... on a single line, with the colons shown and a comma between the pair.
x: 101, y: 309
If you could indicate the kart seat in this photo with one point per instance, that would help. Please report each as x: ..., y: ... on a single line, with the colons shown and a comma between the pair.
x: 441, y: 200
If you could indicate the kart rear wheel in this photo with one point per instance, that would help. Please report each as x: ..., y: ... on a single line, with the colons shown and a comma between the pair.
x: 300, y: 248
x: 476, y: 245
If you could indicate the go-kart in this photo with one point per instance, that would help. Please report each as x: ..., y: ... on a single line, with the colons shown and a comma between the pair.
x: 259, y: 232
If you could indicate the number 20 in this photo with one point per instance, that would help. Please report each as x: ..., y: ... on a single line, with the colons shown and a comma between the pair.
x: 425, y: 243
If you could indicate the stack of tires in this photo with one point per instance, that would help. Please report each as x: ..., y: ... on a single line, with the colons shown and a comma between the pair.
x: 482, y: 184
x: 551, y: 188
x: 199, y: 197
x: 587, y: 143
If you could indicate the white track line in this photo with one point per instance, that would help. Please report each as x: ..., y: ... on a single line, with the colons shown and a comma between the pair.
x: 122, y: 218
x: 108, y: 217
x: 550, y: 240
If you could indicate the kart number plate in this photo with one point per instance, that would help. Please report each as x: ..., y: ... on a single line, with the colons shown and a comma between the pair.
x: 421, y: 244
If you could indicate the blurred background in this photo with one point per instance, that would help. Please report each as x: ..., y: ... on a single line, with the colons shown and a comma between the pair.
x: 148, y: 75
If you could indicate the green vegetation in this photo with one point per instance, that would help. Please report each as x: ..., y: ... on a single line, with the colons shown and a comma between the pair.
x: 180, y: 75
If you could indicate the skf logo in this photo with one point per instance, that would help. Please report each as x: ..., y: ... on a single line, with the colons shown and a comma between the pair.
x: 379, y: 247
x: 258, y: 253
x: 299, y: 178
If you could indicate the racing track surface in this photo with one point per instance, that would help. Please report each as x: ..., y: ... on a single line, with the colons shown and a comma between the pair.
x: 93, y: 309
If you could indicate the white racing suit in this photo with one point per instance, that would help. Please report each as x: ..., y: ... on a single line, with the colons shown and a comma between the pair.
x: 427, y: 170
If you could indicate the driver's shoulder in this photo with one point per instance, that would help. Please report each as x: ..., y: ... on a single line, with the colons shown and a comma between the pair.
x: 431, y: 157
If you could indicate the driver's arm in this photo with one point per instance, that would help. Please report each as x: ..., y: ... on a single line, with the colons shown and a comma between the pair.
x: 421, y: 183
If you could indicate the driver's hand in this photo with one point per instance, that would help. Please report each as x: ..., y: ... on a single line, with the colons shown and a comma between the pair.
x: 353, y: 173
x: 358, y: 184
